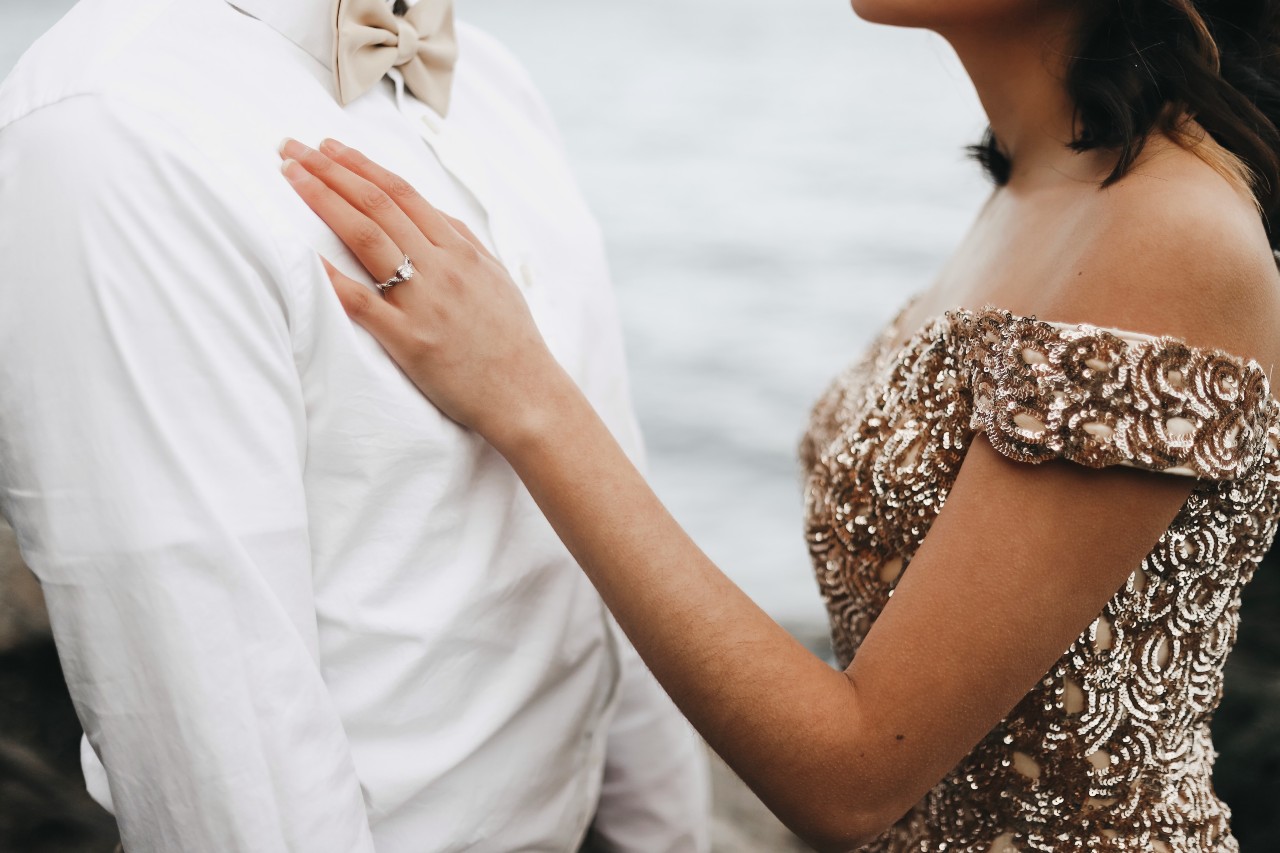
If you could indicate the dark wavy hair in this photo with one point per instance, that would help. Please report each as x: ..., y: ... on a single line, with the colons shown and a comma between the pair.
x: 1206, y: 72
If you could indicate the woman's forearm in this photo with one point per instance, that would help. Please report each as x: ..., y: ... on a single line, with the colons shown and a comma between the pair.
x: 776, y: 713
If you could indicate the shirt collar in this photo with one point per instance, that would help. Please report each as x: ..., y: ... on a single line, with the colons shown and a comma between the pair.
x: 307, y: 23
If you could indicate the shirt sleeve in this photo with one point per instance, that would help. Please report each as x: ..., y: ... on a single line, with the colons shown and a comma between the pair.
x: 656, y: 793
x: 152, y: 447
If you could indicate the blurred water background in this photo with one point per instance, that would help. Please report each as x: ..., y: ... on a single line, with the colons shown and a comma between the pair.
x: 773, y: 179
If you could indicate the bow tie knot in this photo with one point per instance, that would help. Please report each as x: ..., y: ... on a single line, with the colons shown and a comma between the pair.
x: 409, y: 39
x: 370, y: 40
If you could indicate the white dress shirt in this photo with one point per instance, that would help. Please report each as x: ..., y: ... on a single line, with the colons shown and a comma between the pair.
x: 299, y: 609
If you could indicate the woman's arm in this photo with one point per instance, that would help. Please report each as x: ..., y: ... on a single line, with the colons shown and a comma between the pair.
x: 1019, y: 562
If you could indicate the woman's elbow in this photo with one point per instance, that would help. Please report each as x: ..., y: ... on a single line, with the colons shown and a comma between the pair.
x: 843, y: 832
x: 835, y: 845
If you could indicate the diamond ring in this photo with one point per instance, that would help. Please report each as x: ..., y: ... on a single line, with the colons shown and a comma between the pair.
x: 404, y: 272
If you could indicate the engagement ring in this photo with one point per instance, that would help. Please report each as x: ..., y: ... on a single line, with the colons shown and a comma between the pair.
x: 404, y: 272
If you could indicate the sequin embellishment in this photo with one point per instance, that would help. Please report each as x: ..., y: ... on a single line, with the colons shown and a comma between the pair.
x: 1111, y: 750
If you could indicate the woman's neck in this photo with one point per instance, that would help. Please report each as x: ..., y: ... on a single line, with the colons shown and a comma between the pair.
x: 1019, y: 71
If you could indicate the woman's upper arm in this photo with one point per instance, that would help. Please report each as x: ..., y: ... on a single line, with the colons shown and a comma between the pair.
x: 1017, y: 565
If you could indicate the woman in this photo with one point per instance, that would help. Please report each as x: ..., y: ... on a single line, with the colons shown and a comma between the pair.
x: 1106, y: 492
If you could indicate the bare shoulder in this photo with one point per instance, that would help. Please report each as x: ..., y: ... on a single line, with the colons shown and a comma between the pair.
x: 1173, y: 248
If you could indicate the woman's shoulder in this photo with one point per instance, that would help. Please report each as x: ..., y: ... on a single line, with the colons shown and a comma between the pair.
x: 1175, y: 250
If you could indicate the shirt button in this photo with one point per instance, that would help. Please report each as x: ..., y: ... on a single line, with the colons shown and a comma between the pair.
x: 527, y: 277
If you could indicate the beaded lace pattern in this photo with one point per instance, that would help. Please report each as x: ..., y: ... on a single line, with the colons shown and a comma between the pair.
x: 1111, y: 751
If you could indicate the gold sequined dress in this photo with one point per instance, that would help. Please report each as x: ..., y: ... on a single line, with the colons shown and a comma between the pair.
x: 1111, y: 751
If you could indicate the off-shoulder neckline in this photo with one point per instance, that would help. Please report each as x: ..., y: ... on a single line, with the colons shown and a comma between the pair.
x: 1011, y: 346
x: 892, y: 342
x: 896, y: 327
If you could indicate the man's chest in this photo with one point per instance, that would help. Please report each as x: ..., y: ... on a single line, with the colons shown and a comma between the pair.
x: 493, y: 163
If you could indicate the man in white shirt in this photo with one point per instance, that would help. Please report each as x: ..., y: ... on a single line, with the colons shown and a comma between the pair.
x: 299, y: 609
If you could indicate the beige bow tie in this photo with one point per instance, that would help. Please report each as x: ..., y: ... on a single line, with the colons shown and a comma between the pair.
x: 371, y: 40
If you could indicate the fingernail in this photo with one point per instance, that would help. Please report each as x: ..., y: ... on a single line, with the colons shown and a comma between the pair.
x: 332, y: 146
x: 292, y: 170
x: 284, y: 143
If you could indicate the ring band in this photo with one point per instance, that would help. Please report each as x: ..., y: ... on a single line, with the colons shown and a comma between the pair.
x: 404, y: 272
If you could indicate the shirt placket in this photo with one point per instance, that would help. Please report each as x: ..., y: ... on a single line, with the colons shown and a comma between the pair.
x: 508, y: 241
x: 511, y: 246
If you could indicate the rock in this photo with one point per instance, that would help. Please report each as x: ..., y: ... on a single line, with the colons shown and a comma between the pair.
x: 44, y: 807
x: 22, y: 613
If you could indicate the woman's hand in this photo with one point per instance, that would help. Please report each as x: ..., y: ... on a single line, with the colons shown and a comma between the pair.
x: 459, y: 328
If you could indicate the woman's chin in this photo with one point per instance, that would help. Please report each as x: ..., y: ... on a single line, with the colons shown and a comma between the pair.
x: 940, y: 14
x: 895, y: 13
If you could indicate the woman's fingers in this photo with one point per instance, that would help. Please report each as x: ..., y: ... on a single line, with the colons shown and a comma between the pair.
x: 462, y: 228
x: 431, y: 221
x: 363, y: 195
x: 463, y: 333
x: 377, y: 252
x: 387, y: 323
